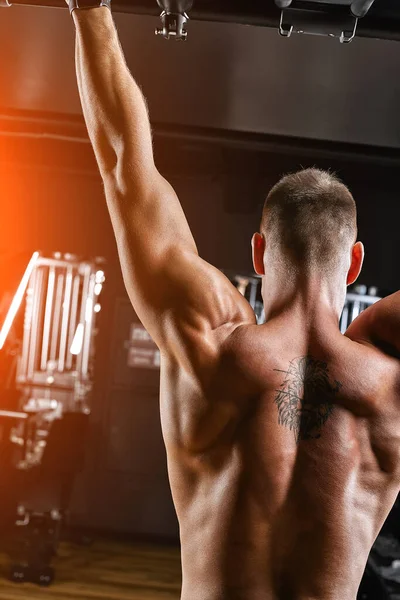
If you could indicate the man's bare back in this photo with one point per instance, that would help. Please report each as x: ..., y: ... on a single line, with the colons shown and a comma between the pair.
x: 285, y: 502
x: 282, y: 438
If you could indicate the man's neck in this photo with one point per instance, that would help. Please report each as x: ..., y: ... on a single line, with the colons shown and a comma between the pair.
x: 308, y: 298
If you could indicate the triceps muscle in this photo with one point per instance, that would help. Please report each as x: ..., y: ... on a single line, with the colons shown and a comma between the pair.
x: 150, y: 227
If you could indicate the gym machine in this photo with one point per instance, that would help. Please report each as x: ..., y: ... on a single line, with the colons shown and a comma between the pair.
x: 355, y: 303
x: 341, y: 19
x: 53, y: 377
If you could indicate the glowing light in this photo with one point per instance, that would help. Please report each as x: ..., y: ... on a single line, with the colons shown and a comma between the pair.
x: 97, y: 288
x: 77, y: 342
x: 88, y: 310
x: 97, y: 308
x: 99, y: 277
x: 16, y: 302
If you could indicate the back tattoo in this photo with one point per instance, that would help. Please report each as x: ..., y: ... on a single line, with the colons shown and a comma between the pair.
x: 305, y: 398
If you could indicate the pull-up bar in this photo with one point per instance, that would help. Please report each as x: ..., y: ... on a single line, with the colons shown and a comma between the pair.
x: 263, y: 13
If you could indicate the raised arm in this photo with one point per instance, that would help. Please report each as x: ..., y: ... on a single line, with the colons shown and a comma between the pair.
x: 176, y: 294
x: 385, y: 323
x: 380, y: 325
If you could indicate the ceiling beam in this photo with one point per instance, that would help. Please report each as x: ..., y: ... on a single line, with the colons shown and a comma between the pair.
x: 382, y: 22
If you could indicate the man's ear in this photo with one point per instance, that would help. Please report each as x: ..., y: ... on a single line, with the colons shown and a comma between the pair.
x: 258, y: 249
x: 357, y: 259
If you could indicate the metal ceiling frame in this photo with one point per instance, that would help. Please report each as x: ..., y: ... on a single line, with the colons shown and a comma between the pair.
x: 382, y: 21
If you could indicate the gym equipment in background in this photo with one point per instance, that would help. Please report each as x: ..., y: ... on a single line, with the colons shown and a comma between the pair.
x: 333, y: 18
x: 357, y: 300
x: 53, y: 376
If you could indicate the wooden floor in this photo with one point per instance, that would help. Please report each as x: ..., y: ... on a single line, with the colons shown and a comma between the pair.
x: 107, y: 571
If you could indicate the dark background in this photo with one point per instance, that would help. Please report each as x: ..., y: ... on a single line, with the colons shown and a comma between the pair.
x: 232, y: 109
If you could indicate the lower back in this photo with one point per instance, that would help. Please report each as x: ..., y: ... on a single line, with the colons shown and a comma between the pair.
x: 273, y: 523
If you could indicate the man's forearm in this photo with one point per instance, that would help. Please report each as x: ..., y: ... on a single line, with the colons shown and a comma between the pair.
x: 113, y: 105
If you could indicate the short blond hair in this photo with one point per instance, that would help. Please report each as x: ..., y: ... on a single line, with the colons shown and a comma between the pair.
x: 310, y: 218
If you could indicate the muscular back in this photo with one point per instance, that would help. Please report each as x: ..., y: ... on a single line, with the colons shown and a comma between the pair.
x: 284, y: 497
x: 281, y: 439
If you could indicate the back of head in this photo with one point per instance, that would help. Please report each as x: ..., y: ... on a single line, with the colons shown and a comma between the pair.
x: 310, y: 219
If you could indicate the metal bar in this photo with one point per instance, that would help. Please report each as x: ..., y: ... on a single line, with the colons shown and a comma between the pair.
x: 27, y: 325
x: 253, y: 293
x: 47, y: 318
x: 383, y: 23
x: 261, y: 319
x: 34, y: 337
x: 355, y: 311
x: 13, y: 415
x: 55, y: 262
x: 344, y: 319
x: 88, y: 327
x: 56, y: 317
x: 72, y: 321
x: 65, y: 318
x: 54, y: 387
x: 84, y: 294
x: 361, y: 298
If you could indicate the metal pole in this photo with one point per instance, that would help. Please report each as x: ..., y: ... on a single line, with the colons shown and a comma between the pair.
x: 383, y: 24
